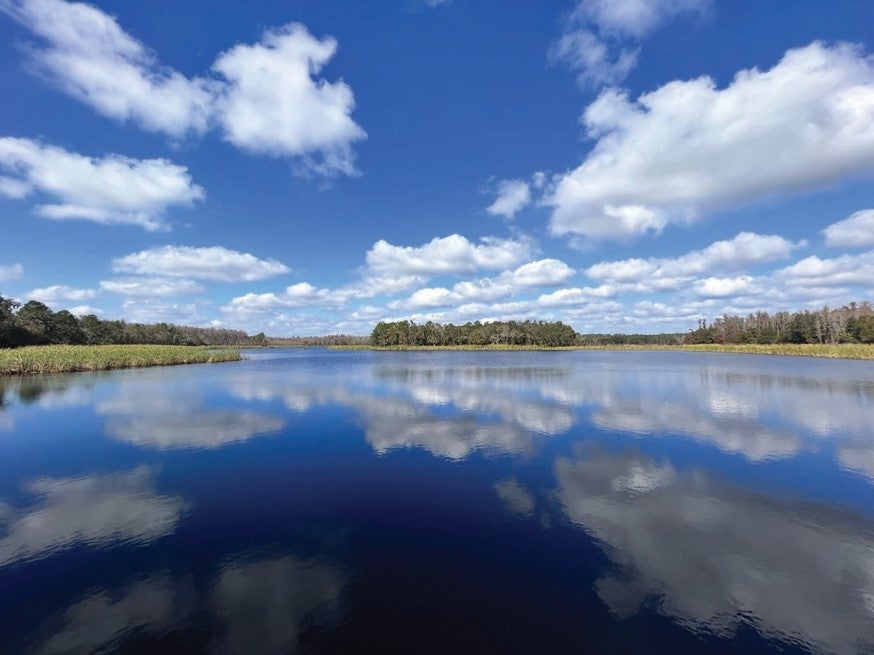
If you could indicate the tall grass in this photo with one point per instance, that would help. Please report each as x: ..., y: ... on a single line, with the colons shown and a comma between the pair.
x: 837, y: 351
x: 60, y: 359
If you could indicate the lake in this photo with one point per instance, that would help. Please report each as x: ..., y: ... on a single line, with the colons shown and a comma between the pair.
x: 450, y: 502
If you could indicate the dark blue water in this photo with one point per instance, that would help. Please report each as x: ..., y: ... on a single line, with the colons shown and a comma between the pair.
x: 338, y: 502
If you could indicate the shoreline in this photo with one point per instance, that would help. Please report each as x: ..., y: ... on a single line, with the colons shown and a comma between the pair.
x: 829, y: 351
x: 36, y: 360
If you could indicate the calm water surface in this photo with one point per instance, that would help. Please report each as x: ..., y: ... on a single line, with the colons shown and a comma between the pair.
x: 336, y: 502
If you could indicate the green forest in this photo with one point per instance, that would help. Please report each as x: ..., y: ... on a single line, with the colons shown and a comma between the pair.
x: 35, y: 324
x: 853, y: 323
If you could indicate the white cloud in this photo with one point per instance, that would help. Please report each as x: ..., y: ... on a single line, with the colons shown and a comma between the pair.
x: 596, y: 65
x: 540, y: 273
x: 636, y: 18
x: 857, y: 231
x: 88, y: 56
x: 212, y: 263
x: 146, y: 287
x: 271, y: 104
x: 452, y: 254
x: 513, y: 195
x: 846, y: 270
x: 599, y: 40
x: 108, y: 190
x: 739, y: 253
x: 60, y: 293
x: 688, y: 147
x: 12, y: 188
x: 725, y: 287
x: 263, y: 96
x: 11, y: 272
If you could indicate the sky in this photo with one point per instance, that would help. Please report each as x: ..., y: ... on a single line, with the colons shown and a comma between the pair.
x: 316, y: 166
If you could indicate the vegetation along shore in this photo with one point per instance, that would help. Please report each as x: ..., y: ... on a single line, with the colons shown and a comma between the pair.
x: 31, y: 360
x: 834, y: 351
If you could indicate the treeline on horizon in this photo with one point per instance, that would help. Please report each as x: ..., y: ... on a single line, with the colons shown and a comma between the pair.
x: 35, y: 324
x: 853, y: 323
x: 511, y: 333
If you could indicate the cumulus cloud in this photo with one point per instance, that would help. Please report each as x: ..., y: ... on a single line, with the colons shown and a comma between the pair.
x: 150, y: 287
x: 513, y: 196
x: 843, y: 271
x: 540, y: 273
x: 740, y: 253
x: 725, y: 287
x: 11, y: 272
x: 272, y: 105
x: 453, y: 254
x: 689, y: 147
x: 108, y: 190
x: 60, y: 293
x: 86, y: 54
x: 264, y: 97
x: 857, y: 231
x: 212, y: 263
x: 600, y: 38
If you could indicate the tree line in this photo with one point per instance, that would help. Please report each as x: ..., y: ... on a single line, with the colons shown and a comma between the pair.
x: 35, y: 324
x: 517, y: 333
x: 853, y: 323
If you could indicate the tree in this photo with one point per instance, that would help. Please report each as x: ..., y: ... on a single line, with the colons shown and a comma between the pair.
x: 36, y: 318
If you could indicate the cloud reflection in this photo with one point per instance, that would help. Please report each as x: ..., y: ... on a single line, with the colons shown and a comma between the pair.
x: 717, y: 557
x: 256, y: 606
x: 103, y: 619
x: 169, y: 418
x: 94, y: 510
x: 266, y: 604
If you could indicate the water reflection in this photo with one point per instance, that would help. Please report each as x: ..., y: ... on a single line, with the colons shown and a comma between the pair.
x: 266, y: 604
x: 716, y: 556
x: 259, y: 606
x: 392, y: 418
x: 170, y: 417
x: 93, y: 510
x: 104, y: 619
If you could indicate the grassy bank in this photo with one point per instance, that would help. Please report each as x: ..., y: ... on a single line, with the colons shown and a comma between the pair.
x: 835, y: 351
x: 61, y: 359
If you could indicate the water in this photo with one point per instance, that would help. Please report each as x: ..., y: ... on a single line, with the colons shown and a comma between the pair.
x: 334, y: 502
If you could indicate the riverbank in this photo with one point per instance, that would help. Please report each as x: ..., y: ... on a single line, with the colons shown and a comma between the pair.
x: 833, y: 351
x: 32, y: 360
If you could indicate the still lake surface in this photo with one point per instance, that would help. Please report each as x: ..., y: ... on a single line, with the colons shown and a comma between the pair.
x: 450, y: 502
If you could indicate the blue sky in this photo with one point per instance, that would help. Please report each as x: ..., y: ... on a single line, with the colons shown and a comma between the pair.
x: 314, y: 167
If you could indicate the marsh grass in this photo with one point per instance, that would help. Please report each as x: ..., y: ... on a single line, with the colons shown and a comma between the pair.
x: 834, y: 351
x: 60, y: 359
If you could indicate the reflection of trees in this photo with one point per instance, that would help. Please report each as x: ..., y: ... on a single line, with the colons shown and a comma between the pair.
x: 717, y: 557
x: 95, y: 510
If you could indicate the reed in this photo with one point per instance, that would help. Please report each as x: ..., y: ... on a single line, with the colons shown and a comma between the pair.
x: 60, y: 359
